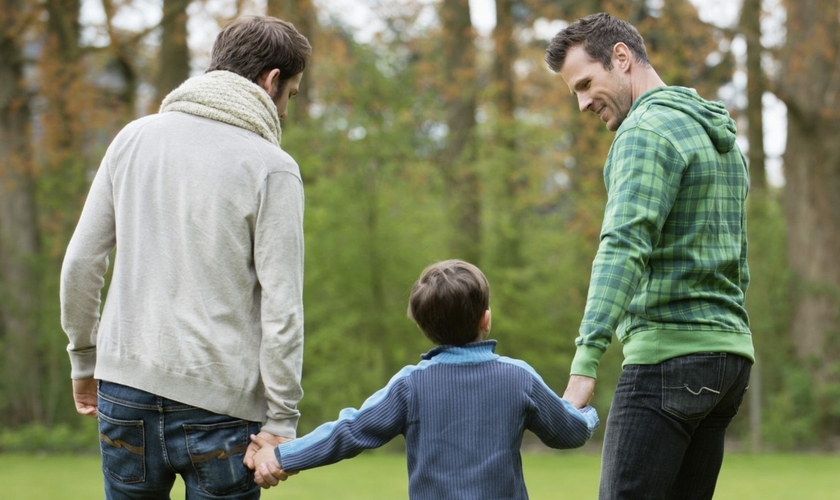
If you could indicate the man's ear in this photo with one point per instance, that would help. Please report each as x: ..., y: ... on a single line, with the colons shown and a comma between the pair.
x: 269, y: 81
x: 622, y: 56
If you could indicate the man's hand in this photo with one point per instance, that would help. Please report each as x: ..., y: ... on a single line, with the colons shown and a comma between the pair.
x: 267, y: 469
x: 85, y: 395
x: 580, y: 390
x: 269, y: 440
x: 268, y: 474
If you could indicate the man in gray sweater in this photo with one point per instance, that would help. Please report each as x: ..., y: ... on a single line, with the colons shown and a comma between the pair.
x: 200, y: 341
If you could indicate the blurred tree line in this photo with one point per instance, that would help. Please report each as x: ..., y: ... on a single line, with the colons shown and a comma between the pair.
x: 429, y: 141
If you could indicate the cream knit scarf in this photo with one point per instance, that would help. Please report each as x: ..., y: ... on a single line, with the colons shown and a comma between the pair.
x: 227, y: 97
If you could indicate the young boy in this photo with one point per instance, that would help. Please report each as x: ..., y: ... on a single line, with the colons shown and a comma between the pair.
x: 463, y: 409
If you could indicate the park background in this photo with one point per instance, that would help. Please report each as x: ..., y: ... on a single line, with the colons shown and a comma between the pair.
x: 428, y: 130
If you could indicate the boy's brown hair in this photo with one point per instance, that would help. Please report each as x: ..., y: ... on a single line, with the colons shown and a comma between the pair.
x: 251, y: 45
x: 448, y: 302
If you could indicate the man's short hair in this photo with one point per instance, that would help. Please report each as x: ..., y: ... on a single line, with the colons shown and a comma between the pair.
x: 598, y: 34
x: 251, y: 45
x: 448, y: 302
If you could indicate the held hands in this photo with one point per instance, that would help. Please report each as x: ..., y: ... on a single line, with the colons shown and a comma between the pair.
x: 266, y: 439
x: 85, y: 394
x: 267, y: 471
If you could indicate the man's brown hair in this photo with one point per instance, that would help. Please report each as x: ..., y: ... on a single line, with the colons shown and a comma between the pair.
x: 448, y: 302
x: 598, y: 34
x: 251, y: 45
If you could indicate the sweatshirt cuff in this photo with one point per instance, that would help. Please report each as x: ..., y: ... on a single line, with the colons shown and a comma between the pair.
x: 285, y: 428
x: 82, y: 364
x: 586, y: 361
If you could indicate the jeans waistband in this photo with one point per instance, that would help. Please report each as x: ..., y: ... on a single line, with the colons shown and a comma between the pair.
x: 139, y: 399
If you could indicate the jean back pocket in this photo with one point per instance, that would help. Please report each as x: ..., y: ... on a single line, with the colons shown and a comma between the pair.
x: 216, y: 452
x: 691, y: 385
x: 123, y: 452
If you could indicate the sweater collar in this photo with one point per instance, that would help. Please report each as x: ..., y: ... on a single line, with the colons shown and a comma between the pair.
x: 474, y: 352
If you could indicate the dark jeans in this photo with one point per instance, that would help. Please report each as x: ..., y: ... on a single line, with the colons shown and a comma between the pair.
x: 666, y: 427
x: 146, y: 440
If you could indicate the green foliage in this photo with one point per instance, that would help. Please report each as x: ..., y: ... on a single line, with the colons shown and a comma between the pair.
x: 796, y: 413
x: 61, y: 438
x: 793, y: 420
x: 373, y: 222
x: 785, y: 425
x: 376, y: 215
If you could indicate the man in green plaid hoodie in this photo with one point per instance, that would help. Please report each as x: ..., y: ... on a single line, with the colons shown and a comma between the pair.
x: 670, y: 274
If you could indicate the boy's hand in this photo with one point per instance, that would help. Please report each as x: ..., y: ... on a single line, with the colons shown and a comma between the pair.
x: 266, y: 439
x: 267, y: 471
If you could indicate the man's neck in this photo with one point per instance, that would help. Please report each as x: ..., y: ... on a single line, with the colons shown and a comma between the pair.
x: 647, y: 80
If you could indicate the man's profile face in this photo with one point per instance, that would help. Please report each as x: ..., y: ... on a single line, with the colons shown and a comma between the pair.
x: 605, y: 92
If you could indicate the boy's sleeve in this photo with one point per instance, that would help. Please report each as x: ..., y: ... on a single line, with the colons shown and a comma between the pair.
x: 556, y: 421
x: 381, y: 418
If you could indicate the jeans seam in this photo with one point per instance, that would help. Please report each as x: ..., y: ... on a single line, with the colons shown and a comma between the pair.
x: 129, y: 404
x: 721, y: 381
x: 162, y: 438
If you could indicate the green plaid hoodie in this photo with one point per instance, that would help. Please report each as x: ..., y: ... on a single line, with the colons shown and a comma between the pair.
x: 671, y: 270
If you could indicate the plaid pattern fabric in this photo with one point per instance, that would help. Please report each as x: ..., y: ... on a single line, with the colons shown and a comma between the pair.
x: 671, y: 267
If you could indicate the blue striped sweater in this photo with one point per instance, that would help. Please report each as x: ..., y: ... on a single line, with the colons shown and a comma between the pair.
x: 463, y: 411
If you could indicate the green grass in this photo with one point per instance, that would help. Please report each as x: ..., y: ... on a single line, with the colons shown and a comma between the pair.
x: 374, y: 476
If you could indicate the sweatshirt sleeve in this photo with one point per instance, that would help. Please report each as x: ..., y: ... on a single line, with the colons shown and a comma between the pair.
x: 83, y: 272
x: 642, y: 177
x: 744, y: 282
x: 278, y: 259
x: 381, y: 418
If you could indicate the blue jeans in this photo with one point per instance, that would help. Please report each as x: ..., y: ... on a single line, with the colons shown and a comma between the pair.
x: 665, y: 431
x: 146, y: 440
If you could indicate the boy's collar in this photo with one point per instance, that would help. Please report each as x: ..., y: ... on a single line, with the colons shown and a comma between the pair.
x: 483, y: 350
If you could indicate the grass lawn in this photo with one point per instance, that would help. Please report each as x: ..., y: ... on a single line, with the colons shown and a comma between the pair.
x: 374, y: 476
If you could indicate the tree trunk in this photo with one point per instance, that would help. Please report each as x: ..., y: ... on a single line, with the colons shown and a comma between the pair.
x: 810, y: 87
x: 812, y: 174
x: 303, y: 15
x: 122, y: 63
x: 174, y: 58
x: 458, y: 160
x: 377, y: 330
x: 19, y: 244
x: 751, y: 29
x: 509, y: 252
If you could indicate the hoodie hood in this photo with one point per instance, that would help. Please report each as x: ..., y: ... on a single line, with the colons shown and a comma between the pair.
x: 713, y: 116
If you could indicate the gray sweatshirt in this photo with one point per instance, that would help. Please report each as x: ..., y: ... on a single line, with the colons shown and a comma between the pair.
x: 205, y: 304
